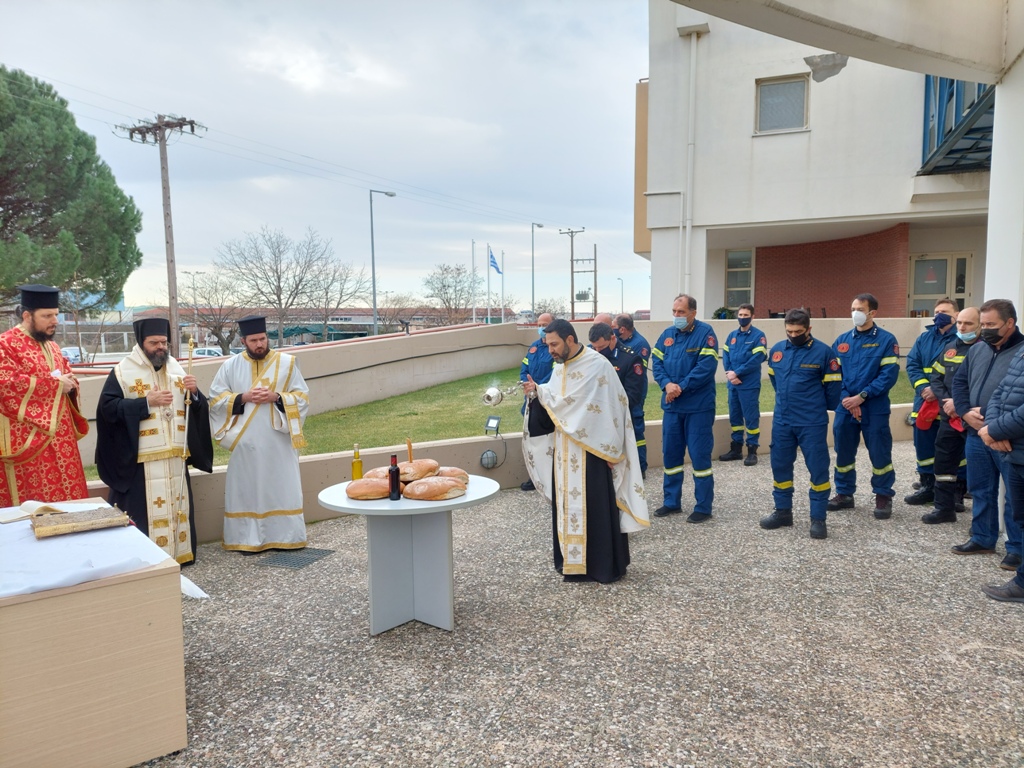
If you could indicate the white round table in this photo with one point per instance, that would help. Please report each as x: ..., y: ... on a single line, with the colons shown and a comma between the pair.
x: 409, y: 548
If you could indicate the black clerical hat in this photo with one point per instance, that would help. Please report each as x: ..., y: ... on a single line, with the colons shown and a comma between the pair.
x: 252, y: 325
x: 39, y: 297
x: 151, y: 326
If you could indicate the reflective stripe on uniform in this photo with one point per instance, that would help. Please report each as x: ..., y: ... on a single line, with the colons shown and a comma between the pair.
x: 753, y: 431
x: 738, y: 429
x: 673, y: 470
x: 926, y: 462
x: 708, y: 351
x: 823, y: 487
x: 883, y: 470
x: 658, y: 353
x: 702, y: 473
x: 890, y: 361
x: 526, y: 361
x: 919, y: 382
x: 940, y: 368
x: 758, y: 349
x: 783, y: 486
x: 847, y: 468
x: 832, y: 377
x: 963, y: 462
x: 945, y: 478
x: 640, y: 442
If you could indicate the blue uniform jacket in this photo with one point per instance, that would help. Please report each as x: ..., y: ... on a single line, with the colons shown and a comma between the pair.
x: 537, y: 363
x: 1004, y: 414
x: 640, y: 345
x: 944, y: 370
x: 926, y: 349
x: 870, y: 362
x: 743, y: 353
x: 807, y: 382
x: 631, y: 371
x: 689, y: 359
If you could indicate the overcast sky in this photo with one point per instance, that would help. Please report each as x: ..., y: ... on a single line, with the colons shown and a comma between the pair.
x: 481, y: 115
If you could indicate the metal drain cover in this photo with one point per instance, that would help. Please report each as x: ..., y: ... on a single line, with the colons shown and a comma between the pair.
x: 300, y: 558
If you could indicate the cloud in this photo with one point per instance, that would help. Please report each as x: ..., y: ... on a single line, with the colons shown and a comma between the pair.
x: 311, y: 70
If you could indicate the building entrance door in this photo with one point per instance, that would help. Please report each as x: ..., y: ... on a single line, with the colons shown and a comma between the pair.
x: 934, y: 276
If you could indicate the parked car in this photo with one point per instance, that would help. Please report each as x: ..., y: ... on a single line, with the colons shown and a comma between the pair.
x: 74, y: 355
x: 207, y: 352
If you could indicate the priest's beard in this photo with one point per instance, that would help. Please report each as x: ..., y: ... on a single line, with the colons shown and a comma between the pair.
x: 258, y: 355
x: 40, y: 336
x: 158, y: 358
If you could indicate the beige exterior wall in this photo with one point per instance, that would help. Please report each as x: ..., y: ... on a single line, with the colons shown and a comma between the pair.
x: 641, y: 234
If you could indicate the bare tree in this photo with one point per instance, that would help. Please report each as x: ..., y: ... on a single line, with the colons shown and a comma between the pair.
x: 451, y: 287
x: 274, y: 271
x: 396, y: 310
x: 213, y: 304
x: 507, y: 312
x: 335, y: 286
x: 555, y: 306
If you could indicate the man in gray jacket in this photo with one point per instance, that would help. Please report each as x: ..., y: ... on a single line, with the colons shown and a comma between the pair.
x: 979, y: 375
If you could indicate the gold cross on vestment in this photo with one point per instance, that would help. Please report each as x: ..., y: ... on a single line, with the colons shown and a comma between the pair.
x: 178, y: 383
x: 139, y: 388
x: 159, y: 502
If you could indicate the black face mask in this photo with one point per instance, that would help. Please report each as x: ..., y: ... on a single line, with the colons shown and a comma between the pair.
x: 607, y: 352
x: 801, y: 340
x: 992, y: 335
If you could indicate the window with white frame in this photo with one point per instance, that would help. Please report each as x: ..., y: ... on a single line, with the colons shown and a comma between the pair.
x: 781, y: 104
x: 739, y: 278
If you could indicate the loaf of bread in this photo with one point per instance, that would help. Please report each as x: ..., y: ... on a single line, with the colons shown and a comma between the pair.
x: 434, y: 489
x: 368, y: 488
x: 417, y: 469
x: 458, y: 474
x: 376, y: 472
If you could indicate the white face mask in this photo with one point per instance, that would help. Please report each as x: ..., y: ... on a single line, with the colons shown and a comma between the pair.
x: 859, y: 318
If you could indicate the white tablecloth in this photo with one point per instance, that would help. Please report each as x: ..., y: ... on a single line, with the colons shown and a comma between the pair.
x: 29, y: 565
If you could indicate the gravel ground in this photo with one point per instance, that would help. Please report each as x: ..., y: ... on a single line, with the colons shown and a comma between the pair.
x: 725, y: 645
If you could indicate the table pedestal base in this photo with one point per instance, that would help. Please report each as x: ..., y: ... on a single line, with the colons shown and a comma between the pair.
x: 411, y: 565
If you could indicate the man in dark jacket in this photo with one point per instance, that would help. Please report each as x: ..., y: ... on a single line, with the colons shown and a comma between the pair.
x: 1004, y: 433
x: 979, y: 375
x: 950, y: 482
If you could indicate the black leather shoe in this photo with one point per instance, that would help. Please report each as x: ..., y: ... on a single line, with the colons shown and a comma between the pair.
x: 883, y: 506
x: 528, y: 486
x: 840, y: 501
x: 666, y: 511
x: 697, y: 517
x: 1011, y: 562
x: 971, y: 548
x: 924, y: 496
x: 938, y: 516
x: 1005, y: 593
x: 818, y: 529
x: 780, y: 518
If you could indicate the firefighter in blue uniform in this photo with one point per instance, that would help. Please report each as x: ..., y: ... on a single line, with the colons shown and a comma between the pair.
x: 685, y: 359
x: 744, y: 351
x: 869, y: 358
x: 927, y: 348
x: 623, y: 328
x: 805, y: 375
x: 538, y: 364
x: 628, y: 365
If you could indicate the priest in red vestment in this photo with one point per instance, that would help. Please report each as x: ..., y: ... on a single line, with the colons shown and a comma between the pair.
x: 40, y: 419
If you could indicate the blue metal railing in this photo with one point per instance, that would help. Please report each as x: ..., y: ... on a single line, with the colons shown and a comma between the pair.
x: 952, y: 116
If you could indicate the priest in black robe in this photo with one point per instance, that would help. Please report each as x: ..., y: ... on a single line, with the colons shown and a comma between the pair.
x: 580, y: 451
x: 143, y: 427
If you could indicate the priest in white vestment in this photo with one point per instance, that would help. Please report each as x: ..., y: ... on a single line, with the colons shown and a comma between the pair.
x: 258, y: 403
x: 580, y: 451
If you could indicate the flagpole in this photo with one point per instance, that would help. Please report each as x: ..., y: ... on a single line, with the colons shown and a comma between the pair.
x: 489, y: 254
x: 472, y: 277
x: 503, y: 286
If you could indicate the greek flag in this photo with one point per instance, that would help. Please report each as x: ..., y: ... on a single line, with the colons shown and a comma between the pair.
x: 494, y: 261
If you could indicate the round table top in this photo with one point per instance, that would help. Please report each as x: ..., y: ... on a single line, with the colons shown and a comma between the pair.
x: 334, y: 497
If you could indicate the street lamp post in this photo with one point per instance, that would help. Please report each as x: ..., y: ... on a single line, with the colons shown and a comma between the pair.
x: 195, y: 309
x: 622, y: 294
x: 373, y: 261
x: 533, y: 297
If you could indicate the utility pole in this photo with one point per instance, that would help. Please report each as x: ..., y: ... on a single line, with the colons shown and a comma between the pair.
x: 572, y: 268
x: 158, y: 131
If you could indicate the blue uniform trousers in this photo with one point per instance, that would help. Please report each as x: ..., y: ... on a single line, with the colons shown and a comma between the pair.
x: 637, y: 417
x: 846, y: 434
x: 1015, y: 475
x: 745, y: 411
x: 985, y: 467
x: 681, y: 432
x: 813, y: 442
x: 924, y: 446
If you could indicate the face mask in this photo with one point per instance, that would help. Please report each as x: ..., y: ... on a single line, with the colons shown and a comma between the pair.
x: 968, y: 337
x: 607, y: 352
x: 859, y: 318
x: 540, y: 332
x: 617, y: 332
x: 682, y: 323
x: 992, y: 335
x: 942, y: 320
x: 801, y: 340
x: 745, y: 321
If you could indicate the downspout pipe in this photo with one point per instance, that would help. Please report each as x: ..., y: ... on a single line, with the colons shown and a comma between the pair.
x: 686, y: 204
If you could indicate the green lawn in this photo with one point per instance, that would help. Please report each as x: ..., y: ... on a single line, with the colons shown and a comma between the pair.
x: 455, y: 410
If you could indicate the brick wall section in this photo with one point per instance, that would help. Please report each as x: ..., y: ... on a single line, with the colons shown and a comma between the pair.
x: 830, y: 273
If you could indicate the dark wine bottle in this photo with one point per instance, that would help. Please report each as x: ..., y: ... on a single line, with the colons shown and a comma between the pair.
x: 394, y: 484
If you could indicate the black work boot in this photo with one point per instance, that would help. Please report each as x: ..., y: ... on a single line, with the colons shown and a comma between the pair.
x: 937, y: 516
x: 780, y: 518
x: 735, y: 452
x: 959, y: 492
x: 751, y: 459
x: 840, y: 501
x: 818, y: 529
x: 926, y: 495
x: 883, y: 506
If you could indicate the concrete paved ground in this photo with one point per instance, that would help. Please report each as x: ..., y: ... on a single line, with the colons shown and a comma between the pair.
x: 725, y: 645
